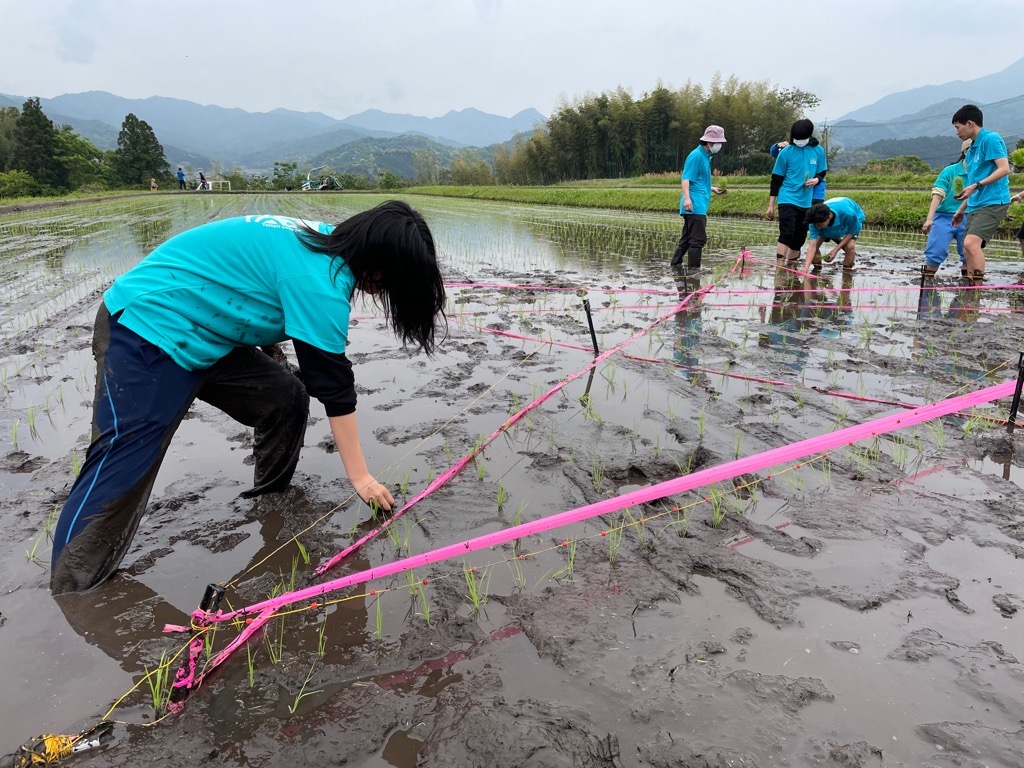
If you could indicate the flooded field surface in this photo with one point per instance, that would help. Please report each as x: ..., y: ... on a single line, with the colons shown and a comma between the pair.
x: 860, y: 608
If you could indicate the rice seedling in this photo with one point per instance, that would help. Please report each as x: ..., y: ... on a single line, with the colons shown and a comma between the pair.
x: 321, y: 638
x: 14, y: 432
x: 718, y: 509
x: 424, y: 603
x: 478, y: 587
x: 303, y: 693
x: 502, y: 494
x: 303, y: 552
x: 938, y: 432
x: 250, y: 667
x: 615, y: 536
x: 597, y: 473
x: 378, y: 622
x: 737, y: 447
x: 700, y: 423
x: 159, y: 682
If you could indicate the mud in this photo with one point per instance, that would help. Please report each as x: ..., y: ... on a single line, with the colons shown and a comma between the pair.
x: 859, y: 611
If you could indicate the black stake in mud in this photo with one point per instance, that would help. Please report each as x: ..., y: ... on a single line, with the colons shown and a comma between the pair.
x: 211, y: 598
x: 1016, y: 395
x: 590, y: 321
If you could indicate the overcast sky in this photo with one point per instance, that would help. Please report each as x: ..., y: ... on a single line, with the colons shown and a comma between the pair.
x: 426, y: 57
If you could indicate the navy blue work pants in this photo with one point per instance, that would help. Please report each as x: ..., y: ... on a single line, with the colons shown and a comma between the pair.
x: 141, y: 397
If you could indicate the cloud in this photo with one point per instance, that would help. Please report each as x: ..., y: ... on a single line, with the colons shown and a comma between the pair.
x: 75, y: 30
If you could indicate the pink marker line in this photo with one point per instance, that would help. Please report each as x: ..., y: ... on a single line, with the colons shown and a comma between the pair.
x: 559, y: 288
x: 446, y: 476
x: 719, y: 473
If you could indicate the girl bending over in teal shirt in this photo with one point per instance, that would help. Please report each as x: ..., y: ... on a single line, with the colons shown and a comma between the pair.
x: 188, y: 322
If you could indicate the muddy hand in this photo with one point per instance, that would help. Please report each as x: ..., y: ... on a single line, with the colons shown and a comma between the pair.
x: 376, y: 496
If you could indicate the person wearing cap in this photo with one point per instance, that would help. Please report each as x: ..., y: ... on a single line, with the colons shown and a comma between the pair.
x: 799, y: 168
x: 839, y: 220
x: 696, y: 197
x: 939, y: 223
x: 986, y: 198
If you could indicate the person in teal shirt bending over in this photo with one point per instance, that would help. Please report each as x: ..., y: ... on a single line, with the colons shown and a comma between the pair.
x: 188, y: 321
x: 696, y: 197
x: 986, y: 198
x: 939, y: 223
x: 799, y: 168
x: 839, y: 220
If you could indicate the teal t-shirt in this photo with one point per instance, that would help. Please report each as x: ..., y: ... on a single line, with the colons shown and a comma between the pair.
x: 796, y: 165
x: 981, y: 161
x: 946, y: 187
x: 697, y: 170
x: 849, y: 218
x: 238, y: 282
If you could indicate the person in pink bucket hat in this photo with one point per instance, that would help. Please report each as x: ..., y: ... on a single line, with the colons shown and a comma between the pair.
x: 696, y: 197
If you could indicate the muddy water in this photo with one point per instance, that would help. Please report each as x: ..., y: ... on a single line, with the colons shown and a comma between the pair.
x: 863, y: 610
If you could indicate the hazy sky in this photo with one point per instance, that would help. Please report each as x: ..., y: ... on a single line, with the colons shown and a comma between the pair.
x: 426, y: 57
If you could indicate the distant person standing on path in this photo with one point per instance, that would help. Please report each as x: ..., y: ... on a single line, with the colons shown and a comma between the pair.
x: 181, y: 179
x: 152, y: 185
x: 696, y: 197
x: 798, y: 169
x: 986, y: 198
x: 202, y: 182
x: 939, y: 223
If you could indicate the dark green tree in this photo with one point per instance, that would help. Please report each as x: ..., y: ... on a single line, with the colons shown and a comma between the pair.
x: 285, y: 176
x: 8, y: 119
x: 86, y: 165
x: 34, y: 149
x: 139, y: 156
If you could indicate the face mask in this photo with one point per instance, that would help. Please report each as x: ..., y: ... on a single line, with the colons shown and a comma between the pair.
x: 801, y: 142
x: 715, y: 148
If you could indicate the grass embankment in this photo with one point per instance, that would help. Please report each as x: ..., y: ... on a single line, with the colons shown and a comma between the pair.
x: 883, y: 209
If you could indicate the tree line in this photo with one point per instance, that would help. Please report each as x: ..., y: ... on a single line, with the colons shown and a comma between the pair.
x: 613, y: 135
x: 39, y: 158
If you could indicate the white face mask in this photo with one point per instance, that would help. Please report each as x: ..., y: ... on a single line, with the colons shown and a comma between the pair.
x: 715, y: 148
x: 801, y: 142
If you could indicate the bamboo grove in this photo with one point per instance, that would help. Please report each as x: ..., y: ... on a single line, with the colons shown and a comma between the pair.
x: 613, y: 135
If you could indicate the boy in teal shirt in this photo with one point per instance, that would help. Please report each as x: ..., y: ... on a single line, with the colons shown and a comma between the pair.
x: 839, y: 220
x: 986, y: 198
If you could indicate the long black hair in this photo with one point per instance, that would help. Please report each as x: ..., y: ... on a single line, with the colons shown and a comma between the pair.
x: 391, y: 253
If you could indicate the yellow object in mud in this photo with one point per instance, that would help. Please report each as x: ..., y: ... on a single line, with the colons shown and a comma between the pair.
x: 50, y: 749
x: 43, y: 750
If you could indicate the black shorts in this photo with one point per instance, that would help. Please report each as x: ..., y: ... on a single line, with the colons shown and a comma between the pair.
x: 792, y: 226
x: 1020, y: 232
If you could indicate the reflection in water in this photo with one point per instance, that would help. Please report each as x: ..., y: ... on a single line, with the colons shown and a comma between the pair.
x: 964, y: 303
x: 805, y: 305
x: 689, y: 328
x: 115, y: 615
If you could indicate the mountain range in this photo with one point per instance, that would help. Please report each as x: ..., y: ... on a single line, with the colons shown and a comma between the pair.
x: 917, y: 121
x: 199, y: 134
x: 914, y: 122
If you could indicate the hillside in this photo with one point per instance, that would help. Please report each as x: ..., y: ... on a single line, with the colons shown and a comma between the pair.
x: 371, y: 157
x: 987, y: 89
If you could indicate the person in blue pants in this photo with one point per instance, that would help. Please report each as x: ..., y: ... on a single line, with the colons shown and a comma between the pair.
x: 939, y: 223
x: 188, y: 322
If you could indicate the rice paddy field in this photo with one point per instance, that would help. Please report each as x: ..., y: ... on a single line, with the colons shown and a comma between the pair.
x: 858, y: 605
